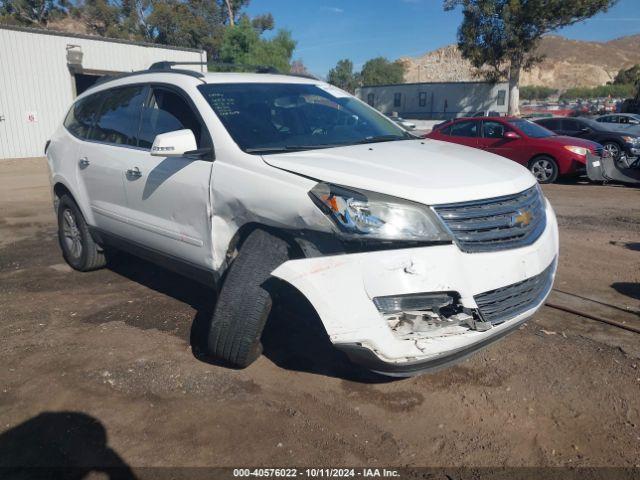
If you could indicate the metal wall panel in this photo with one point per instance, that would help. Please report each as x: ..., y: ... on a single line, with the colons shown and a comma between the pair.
x: 443, y: 99
x: 34, y: 78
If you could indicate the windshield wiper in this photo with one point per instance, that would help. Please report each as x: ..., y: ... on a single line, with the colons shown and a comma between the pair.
x: 381, y: 138
x: 287, y: 148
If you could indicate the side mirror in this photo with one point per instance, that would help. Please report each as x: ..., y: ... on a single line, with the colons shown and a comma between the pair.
x: 511, y: 135
x: 174, y: 144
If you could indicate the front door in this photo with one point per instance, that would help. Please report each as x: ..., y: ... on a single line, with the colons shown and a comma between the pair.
x: 465, y: 132
x: 492, y: 140
x: 168, y: 198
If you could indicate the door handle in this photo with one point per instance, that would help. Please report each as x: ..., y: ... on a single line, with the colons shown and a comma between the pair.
x: 83, y: 162
x: 134, y: 172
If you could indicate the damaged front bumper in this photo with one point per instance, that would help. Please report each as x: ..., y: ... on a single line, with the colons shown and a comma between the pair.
x: 372, y: 304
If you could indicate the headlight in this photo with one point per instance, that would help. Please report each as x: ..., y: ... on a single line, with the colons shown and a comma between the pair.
x: 633, y: 140
x: 577, y: 150
x: 359, y: 214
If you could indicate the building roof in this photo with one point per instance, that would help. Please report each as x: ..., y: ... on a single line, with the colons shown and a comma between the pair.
x: 43, y: 31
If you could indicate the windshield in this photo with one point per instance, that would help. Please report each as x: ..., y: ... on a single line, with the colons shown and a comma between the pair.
x: 531, y: 129
x: 264, y: 117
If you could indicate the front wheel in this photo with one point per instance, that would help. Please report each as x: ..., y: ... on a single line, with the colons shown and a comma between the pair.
x: 245, y: 300
x: 613, y: 149
x: 544, y: 168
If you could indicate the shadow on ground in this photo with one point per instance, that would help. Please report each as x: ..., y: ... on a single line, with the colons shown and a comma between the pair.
x: 630, y: 289
x: 69, y: 445
x: 294, y: 338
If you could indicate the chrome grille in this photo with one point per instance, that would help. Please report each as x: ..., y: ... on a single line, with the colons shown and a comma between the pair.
x: 502, y: 304
x: 499, y: 223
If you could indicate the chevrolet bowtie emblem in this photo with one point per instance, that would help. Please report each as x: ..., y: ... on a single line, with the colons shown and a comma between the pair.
x: 522, y: 218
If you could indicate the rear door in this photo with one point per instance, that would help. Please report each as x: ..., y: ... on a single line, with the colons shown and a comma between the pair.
x: 571, y: 127
x: 168, y: 198
x: 552, y: 124
x: 107, y: 121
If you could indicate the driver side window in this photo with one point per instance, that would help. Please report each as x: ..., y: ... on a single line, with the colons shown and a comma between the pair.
x: 166, y: 111
x: 493, y: 130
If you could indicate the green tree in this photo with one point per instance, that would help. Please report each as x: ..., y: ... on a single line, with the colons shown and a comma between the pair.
x: 380, y: 71
x: 32, y: 12
x: 602, y: 91
x: 242, y: 44
x: 343, y: 76
x: 535, y: 92
x: 628, y: 76
x: 503, y: 34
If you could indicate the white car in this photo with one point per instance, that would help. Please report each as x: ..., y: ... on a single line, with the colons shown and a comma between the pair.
x: 414, y: 252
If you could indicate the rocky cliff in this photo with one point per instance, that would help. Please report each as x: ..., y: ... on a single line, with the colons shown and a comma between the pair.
x: 568, y: 63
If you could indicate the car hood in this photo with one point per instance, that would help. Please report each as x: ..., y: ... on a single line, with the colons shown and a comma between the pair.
x: 426, y: 171
x: 578, y: 142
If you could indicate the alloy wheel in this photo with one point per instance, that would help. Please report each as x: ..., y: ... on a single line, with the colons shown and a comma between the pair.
x: 542, y: 169
x: 71, y: 233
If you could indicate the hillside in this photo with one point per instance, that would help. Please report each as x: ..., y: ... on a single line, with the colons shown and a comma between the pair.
x: 568, y: 63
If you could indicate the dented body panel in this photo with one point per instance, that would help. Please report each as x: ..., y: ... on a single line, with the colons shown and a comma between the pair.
x: 341, y: 288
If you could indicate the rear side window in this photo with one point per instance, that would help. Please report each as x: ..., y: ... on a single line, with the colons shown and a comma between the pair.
x: 119, y: 117
x: 165, y: 112
x: 464, y: 129
x: 82, y: 115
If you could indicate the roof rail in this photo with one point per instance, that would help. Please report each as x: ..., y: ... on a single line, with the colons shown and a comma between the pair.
x: 158, y: 67
x: 258, y: 69
x: 168, y: 65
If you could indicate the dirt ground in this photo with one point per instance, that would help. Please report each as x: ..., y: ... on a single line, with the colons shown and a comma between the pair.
x: 103, y: 367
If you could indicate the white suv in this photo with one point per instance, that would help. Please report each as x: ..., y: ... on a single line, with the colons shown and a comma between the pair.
x: 414, y: 252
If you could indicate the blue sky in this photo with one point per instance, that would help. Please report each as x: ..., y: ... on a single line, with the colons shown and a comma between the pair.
x: 327, y: 31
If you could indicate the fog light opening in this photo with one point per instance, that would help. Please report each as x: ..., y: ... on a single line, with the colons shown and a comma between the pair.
x: 428, y: 315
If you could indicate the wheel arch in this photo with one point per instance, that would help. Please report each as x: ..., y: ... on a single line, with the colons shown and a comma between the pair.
x: 60, y: 188
x: 247, y: 229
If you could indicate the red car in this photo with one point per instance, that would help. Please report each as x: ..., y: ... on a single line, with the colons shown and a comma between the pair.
x: 543, y: 152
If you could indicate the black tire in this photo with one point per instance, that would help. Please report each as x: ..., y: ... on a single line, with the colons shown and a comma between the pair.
x: 79, y: 248
x: 544, y: 168
x: 245, y: 301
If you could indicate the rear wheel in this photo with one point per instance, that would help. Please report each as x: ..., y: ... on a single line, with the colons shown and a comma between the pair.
x: 544, y: 168
x: 245, y: 300
x: 78, y: 247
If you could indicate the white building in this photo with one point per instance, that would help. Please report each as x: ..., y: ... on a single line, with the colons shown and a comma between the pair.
x: 42, y: 71
x: 437, y: 100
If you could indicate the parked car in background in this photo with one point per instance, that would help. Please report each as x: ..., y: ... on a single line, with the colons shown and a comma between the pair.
x: 406, y: 124
x: 544, y: 153
x: 618, y: 140
x: 620, y: 118
x: 485, y: 113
